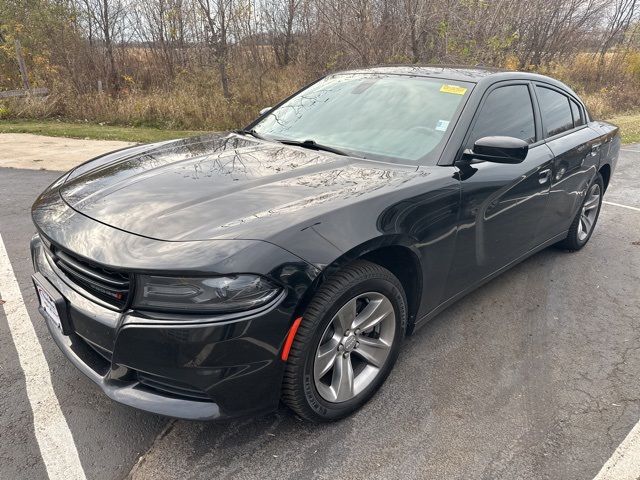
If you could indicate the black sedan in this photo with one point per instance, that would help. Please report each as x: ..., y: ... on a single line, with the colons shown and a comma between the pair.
x: 212, y: 277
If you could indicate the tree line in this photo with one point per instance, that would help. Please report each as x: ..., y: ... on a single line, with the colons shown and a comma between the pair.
x: 231, y: 46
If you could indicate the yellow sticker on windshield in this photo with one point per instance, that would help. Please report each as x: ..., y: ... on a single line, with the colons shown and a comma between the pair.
x: 453, y: 89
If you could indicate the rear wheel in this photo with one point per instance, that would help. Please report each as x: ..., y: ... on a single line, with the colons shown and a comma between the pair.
x: 347, y: 342
x: 584, y: 223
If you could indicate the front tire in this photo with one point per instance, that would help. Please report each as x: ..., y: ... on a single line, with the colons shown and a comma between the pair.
x: 347, y: 343
x: 585, y: 221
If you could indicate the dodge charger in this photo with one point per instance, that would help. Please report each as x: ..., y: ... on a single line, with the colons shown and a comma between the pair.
x: 217, y: 276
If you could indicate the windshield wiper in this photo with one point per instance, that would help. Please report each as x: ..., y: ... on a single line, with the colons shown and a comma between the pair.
x: 311, y: 144
x: 251, y: 132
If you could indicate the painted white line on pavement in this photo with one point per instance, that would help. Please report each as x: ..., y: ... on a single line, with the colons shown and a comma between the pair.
x: 624, y: 464
x: 622, y: 206
x: 54, y: 438
x: 629, y: 150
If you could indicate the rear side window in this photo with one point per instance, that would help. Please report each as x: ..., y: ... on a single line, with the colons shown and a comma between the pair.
x: 555, y: 110
x: 508, y: 112
x: 578, y: 117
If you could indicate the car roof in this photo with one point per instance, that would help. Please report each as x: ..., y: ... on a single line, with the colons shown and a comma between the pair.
x: 451, y: 72
x: 474, y: 74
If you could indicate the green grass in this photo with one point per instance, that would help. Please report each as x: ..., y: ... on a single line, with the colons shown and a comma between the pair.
x: 54, y: 128
x: 629, y: 126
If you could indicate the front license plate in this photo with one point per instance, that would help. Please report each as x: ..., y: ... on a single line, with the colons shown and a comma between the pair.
x: 49, y: 306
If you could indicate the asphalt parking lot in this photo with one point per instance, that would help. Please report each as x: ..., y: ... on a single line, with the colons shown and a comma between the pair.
x: 533, y: 376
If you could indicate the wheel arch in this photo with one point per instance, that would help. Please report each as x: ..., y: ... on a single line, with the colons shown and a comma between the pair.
x: 395, y: 253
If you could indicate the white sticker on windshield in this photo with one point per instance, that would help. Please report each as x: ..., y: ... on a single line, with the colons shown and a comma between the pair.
x: 442, y: 125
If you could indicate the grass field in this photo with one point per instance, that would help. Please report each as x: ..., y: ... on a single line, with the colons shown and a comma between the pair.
x: 93, y: 131
x: 628, y: 123
x: 629, y: 126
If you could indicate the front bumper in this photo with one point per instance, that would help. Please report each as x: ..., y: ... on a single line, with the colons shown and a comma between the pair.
x: 217, y: 368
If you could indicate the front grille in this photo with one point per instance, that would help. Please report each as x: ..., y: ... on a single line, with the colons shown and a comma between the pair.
x: 108, y: 285
x: 172, y: 387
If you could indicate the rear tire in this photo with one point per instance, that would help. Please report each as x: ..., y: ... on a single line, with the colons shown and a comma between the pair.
x: 335, y: 367
x: 585, y: 221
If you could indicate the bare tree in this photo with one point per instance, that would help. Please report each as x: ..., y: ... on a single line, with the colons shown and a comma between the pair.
x: 552, y: 29
x: 620, y: 16
x: 108, y: 16
x: 161, y: 25
x: 255, y: 51
x: 281, y: 16
x: 216, y: 19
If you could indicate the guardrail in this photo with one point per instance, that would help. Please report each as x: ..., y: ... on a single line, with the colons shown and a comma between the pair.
x: 36, y: 92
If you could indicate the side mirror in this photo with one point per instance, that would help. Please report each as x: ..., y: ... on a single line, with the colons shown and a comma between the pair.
x: 265, y: 110
x: 499, y: 150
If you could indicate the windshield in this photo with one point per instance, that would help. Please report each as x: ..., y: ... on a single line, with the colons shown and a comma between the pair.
x: 384, y: 117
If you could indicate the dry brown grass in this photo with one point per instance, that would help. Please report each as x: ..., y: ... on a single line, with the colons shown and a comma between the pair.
x: 194, y: 100
x: 610, y: 88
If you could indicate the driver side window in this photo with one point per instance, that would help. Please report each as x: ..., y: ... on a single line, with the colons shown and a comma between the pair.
x: 508, y: 112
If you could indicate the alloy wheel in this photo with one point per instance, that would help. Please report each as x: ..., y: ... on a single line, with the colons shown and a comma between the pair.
x: 354, y: 347
x: 589, y: 212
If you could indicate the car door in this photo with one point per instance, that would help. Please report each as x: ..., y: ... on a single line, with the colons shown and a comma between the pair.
x: 501, y: 204
x: 576, y: 149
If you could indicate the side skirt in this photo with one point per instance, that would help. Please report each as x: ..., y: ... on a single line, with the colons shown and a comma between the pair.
x: 425, y: 318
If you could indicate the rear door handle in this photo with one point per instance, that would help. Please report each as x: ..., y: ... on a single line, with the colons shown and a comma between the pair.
x: 544, y: 176
x: 594, y: 149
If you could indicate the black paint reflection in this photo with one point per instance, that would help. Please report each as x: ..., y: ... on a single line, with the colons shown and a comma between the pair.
x: 224, y: 186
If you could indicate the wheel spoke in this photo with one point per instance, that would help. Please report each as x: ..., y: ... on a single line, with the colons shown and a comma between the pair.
x: 592, y: 202
x: 325, y: 359
x: 375, y: 312
x: 345, y: 316
x: 373, y: 350
x: 588, y: 222
x: 342, y: 381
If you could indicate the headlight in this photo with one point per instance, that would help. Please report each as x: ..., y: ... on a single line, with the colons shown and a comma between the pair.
x: 203, y: 295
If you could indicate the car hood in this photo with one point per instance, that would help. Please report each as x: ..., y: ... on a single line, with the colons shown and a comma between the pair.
x: 222, y: 186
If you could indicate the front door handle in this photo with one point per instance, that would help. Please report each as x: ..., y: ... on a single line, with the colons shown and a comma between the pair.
x: 544, y: 176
